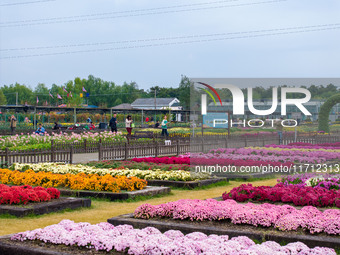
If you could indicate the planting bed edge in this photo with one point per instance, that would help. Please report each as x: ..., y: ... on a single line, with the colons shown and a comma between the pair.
x: 309, y: 240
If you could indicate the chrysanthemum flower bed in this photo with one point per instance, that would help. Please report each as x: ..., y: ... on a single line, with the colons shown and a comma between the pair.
x: 147, y: 241
x: 35, y: 141
x: 300, y: 145
x: 210, y: 159
x: 26, y: 194
x: 268, y: 154
x: 299, y: 196
x: 174, y: 175
x: 79, y: 181
x: 281, y: 217
x: 114, y: 164
x: 327, y: 181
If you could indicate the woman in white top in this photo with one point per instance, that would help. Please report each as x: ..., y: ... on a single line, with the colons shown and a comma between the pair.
x: 128, y: 123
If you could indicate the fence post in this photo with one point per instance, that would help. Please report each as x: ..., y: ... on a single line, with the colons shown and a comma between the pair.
x: 177, y: 145
x: 226, y: 142
x: 245, y: 141
x: 126, y: 154
x: 100, y: 154
x: 71, y: 154
x: 263, y: 142
x: 52, y: 151
x: 156, y: 149
x: 85, y: 146
x: 6, y: 156
x: 202, y: 144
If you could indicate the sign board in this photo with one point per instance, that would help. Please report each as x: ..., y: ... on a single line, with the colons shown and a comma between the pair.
x: 194, y: 117
x: 216, y: 120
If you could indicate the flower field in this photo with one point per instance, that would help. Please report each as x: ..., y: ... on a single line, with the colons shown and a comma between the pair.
x: 299, y: 196
x: 113, y: 164
x: 58, y: 168
x: 268, y: 154
x: 327, y: 181
x: 79, y: 181
x: 34, y: 141
x: 281, y: 217
x: 26, y: 194
x: 124, y: 238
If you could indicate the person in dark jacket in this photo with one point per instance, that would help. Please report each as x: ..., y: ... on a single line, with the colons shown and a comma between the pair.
x: 113, y: 123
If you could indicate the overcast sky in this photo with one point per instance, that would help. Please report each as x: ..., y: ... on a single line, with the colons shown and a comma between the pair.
x: 135, y: 40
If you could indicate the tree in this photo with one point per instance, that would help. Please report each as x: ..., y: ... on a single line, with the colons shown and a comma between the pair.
x: 3, y: 100
x: 185, y: 87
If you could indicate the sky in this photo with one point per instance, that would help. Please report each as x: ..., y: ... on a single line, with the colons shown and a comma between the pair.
x: 154, y: 42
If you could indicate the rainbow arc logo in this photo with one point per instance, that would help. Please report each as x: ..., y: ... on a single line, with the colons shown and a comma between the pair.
x: 209, y: 93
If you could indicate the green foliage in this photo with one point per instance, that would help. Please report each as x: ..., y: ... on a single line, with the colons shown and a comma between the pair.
x: 325, y: 110
x: 108, y: 94
x: 3, y: 99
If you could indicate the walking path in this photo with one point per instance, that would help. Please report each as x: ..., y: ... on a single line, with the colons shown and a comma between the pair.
x: 85, y: 157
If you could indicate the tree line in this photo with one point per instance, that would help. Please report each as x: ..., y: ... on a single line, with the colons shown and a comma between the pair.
x: 108, y: 94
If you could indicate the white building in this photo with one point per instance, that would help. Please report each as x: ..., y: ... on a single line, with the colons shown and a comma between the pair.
x: 158, y: 104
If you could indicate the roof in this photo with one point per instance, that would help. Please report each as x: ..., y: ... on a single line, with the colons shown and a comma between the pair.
x: 151, y: 101
x: 123, y: 106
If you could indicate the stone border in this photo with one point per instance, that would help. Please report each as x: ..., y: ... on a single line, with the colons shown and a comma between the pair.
x: 10, y: 249
x: 148, y: 191
x: 24, y: 248
x: 46, y: 207
x: 185, y: 184
x: 311, y: 241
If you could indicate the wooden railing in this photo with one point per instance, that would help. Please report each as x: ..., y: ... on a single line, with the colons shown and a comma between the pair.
x: 64, y: 152
x: 8, y: 157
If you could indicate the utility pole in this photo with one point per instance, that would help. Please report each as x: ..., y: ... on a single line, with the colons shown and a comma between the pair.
x: 155, y: 104
x: 16, y: 98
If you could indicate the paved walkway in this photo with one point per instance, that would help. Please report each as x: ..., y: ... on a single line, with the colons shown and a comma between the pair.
x: 85, y: 157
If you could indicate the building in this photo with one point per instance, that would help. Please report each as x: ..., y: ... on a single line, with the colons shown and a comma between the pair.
x: 123, y: 107
x: 171, y: 103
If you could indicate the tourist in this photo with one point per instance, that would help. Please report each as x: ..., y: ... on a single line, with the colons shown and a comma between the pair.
x: 88, y: 120
x: 279, y: 129
x: 147, y: 119
x: 113, y: 123
x: 56, y: 126
x: 40, y: 130
x: 92, y: 126
x: 13, y: 124
x: 128, y: 124
x: 164, y: 126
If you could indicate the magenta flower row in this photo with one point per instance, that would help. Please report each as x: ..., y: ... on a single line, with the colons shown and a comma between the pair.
x: 272, y: 155
x: 299, y: 196
x: 281, y: 217
x: 207, y: 160
x: 150, y: 241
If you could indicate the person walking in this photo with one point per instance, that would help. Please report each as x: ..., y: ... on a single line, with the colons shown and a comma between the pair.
x: 128, y: 124
x: 13, y: 124
x: 164, y: 126
x: 113, y: 123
